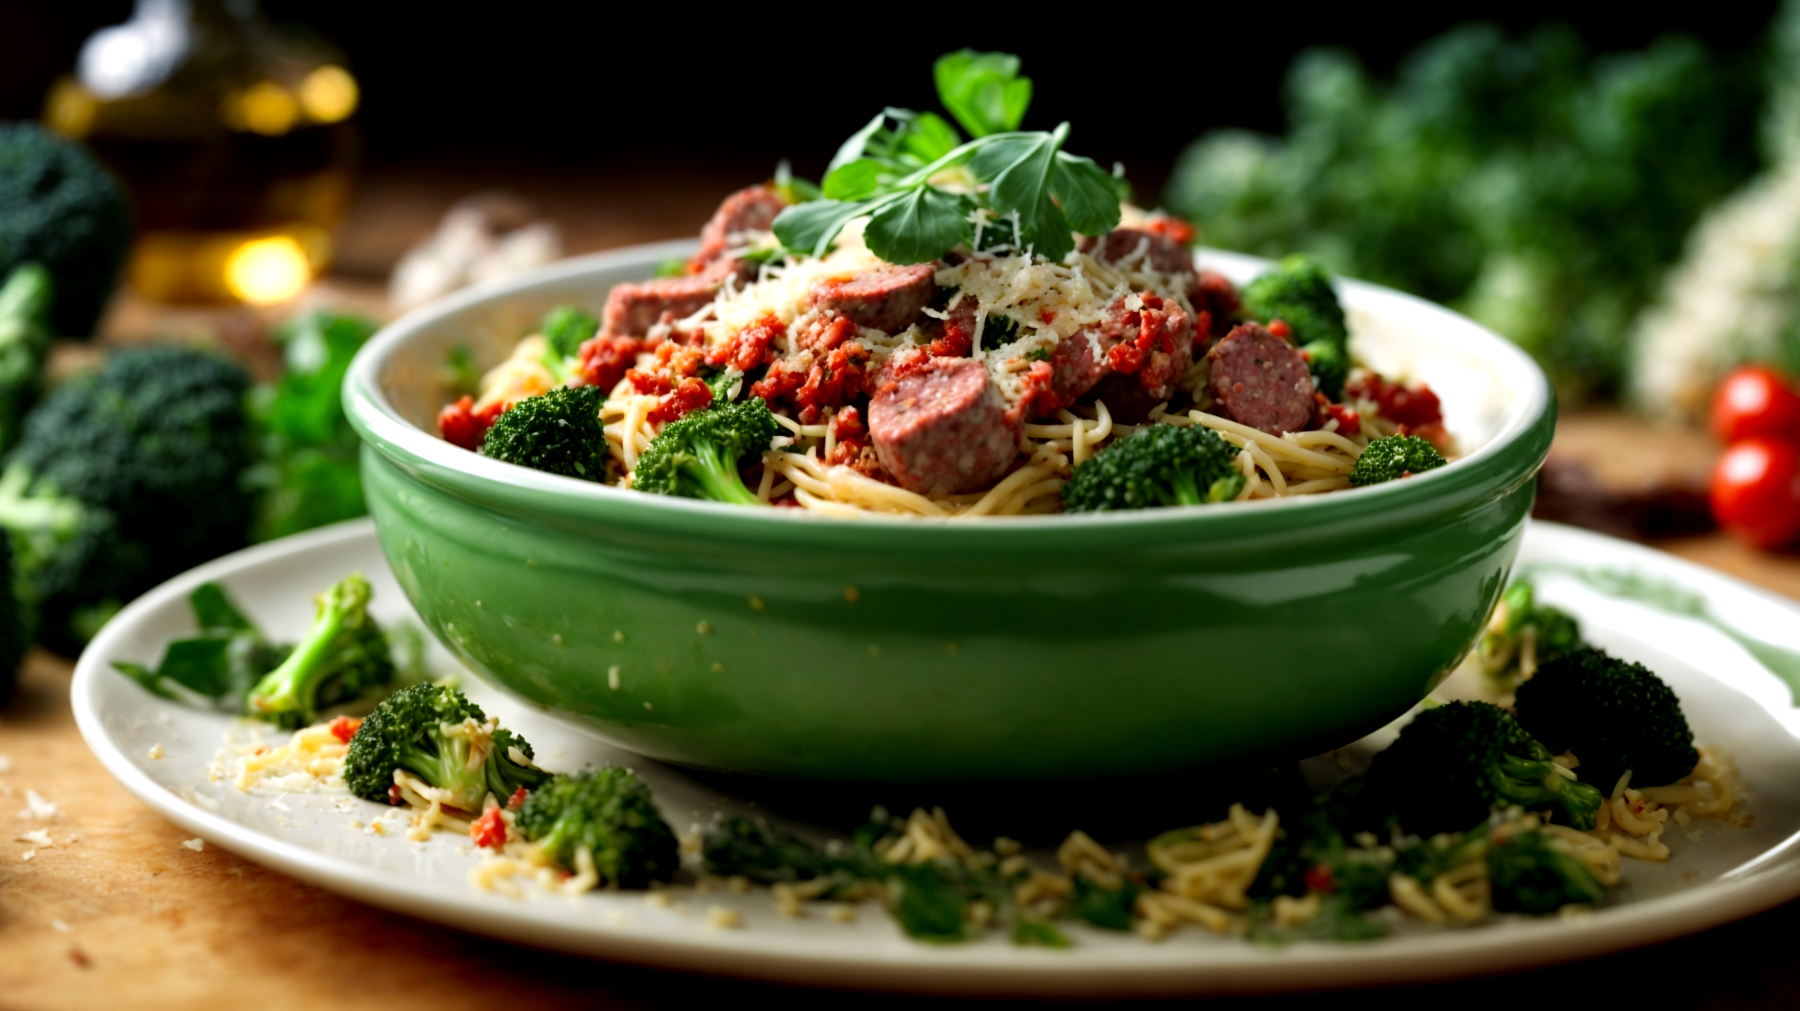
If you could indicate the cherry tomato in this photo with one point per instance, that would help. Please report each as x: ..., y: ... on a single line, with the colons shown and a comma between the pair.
x: 1756, y: 492
x: 1756, y: 401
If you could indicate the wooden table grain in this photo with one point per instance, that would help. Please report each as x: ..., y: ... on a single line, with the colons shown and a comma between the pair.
x: 119, y: 914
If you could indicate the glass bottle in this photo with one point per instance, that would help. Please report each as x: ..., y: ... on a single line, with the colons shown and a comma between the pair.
x: 235, y: 139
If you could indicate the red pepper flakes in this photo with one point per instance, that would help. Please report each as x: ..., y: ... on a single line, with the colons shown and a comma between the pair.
x: 1174, y: 229
x: 1320, y: 879
x: 344, y: 727
x: 958, y: 339
x: 1349, y: 422
x: 517, y: 800
x: 690, y: 396
x: 1415, y: 407
x: 605, y: 360
x: 461, y: 424
x: 394, y: 797
x: 1152, y: 326
x: 749, y: 347
x: 1280, y: 328
x: 1047, y: 316
x: 489, y: 830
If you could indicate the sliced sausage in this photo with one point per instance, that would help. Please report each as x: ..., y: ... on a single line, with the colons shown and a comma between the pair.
x: 633, y: 308
x: 1262, y: 380
x: 740, y: 217
x: 887, y: 298
x: 1161, y: 254
x: 1151, y: 348
x: 940, y: 427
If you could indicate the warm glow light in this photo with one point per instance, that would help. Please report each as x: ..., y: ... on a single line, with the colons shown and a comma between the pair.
x: 268, y: 108
x: 266, y: 271
x: 329, y: 94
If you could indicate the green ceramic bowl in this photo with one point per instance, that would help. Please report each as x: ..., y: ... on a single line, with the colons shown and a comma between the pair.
x: 779, y: 643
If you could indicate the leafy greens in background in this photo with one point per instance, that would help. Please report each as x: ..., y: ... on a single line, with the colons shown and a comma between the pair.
x: 1538, y: 188
x: 892, y: 168
x: 305, y: 474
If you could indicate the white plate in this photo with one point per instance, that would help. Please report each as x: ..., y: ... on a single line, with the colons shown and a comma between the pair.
x: 1731, y: 873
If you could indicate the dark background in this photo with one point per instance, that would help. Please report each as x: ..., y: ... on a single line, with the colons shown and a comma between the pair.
x: 578, y: 89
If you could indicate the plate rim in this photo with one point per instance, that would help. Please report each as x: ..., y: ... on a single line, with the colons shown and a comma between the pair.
x: 1491, y: 950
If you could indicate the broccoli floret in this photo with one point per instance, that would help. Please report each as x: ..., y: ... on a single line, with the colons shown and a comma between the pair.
x: 124, y: 477
x: 1394, y: 457
x: 565, y: 328
x: 1613, y: 714
x: 697, y: 456
x: 432, y: 732
x: 1330, y: 367
x: 1453, y: 764
x: 739, y: 846
x: 610, y: 814
x: 1161, y: 465
x: 1529, y: 872
x: 60, y: 208
x: 558, y: 432
x: 343, y: 655
x: 24, y: 340
x: 1523, y: 635
x: 1299, y: 293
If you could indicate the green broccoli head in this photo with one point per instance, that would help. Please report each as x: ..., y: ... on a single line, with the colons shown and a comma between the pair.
x: 437, y: 734
x: 1300, y: 294
x: 60, y: 208
x: 343, y: 655
x: 1454, y: 764
x: 1329, y: 365
x: 566, y: 328
x: 1394, y: 457
x: 610, y: 814
x: 1530, y: 872
x: 1613, y: 714
x: 697, y: 456
x: 558, y: 432
x: 1161, y: 465
x: 122, y: 478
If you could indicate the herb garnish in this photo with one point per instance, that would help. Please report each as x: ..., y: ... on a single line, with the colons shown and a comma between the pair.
x: 903, y: 171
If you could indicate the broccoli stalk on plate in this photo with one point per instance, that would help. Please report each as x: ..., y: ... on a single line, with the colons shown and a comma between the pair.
x: 438, y: 735
x: 1454, y: 764
x: 1299, y: 293
x: 607, y: 814
x: 1393, y: 458
x: 1162, y: 465
x: 1613, y: 714
x: 343, y: 656
x: 557, y: 432
x: 1523, y: 635
x: 697, y: 456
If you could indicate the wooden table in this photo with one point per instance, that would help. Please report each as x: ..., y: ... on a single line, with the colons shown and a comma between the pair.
x: 119, y: 914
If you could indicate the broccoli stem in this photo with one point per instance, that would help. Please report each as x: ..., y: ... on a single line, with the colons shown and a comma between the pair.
x: 1187, y: 490
x: 717, y: 476
x: 1532, y: 783
x: 448, y: 769
x: 292, y: 687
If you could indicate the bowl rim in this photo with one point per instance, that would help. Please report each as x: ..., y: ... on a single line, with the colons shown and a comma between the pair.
x: 1510, y: 457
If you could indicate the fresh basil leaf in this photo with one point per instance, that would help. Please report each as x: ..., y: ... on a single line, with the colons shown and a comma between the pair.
x: 857, y: 180
x: 983, y: 91
x: 214, y: 610
x: 1017, y: 169
x: 807, y: 229
x: 920, y: 226
x: 929, y: 138
x: 1086, y: 194
x: 854, y: 148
